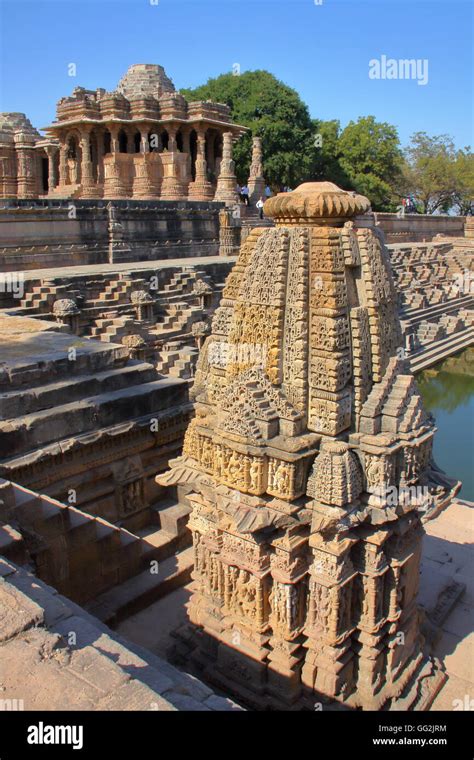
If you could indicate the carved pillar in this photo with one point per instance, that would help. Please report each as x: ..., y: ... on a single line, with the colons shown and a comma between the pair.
x: 172, y: 186
x: 88, y: 188
x: 144, y: 144
x: 8, y: 183
x: 256, y: 181
x: 114, y: 185
x: 201, y: 189
x: 229, y: 233
x: 227, y: 180
x: 114, y: 140
x: 100, y: 163
x: 51, y: 152
x: 27, y: 174
x: 172, y: 147
x: 62, y: 165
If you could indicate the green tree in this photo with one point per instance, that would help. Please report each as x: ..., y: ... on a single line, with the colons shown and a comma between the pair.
x: 371, y: 158
x: 463, y: 195
x: 272, y: 111
x: 430, y: 172
x: 325, y: 164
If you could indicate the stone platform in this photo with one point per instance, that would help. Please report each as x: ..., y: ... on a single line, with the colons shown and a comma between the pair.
x: 55, y: 656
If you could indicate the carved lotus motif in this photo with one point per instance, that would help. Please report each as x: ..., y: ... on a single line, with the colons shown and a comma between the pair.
x: 318, y: 201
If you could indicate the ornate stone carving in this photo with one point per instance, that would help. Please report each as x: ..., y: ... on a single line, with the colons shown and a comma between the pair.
x: 303, y: 443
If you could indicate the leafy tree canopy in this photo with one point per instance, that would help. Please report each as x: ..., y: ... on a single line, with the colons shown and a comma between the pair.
x: 365, y: 156
x: 272, y: 111
x: 440, y: 178
x: 371, y: 157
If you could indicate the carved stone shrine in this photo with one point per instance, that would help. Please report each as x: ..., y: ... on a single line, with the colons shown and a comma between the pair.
x: 308, y: 467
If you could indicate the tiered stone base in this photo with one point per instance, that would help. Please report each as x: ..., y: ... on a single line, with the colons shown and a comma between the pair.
x: 247, y: 678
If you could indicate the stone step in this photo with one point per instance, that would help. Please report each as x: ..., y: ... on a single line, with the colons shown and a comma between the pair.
x: 88, y: 414
x: 12, y: 545
x: 158, y: 544
x: 413, y: 316
x: 142, y: 590
x: 48, y: 359
x: 172, y: 517
x: 441, y: 349
x: 21, y: 402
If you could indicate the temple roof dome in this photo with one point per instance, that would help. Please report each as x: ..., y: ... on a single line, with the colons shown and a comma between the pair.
x: 145, y: 79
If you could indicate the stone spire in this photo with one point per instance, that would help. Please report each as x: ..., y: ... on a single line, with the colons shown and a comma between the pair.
x: 308, y: 468
x: 145, y: 79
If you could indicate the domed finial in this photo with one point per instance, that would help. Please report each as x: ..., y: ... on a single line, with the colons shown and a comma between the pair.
x: 315, y: 203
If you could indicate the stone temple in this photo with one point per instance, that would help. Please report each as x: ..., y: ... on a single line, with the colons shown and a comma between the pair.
x: 308, y: 467
x: 141, y: 141
x: 216, y: 469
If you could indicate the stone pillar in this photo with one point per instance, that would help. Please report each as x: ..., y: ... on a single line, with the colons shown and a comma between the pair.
x: 201, y: 189
x: 256, y: 182
x: 62, y: 165
x: 227, y: 180
x: 114, y: 186
x: 118, y: 247
x: 88, y: 187
x: 229, y: 233
x: 114, y: 140
x: 144, y: 144
x: 100, y: 162
x: 27, y: 167
x: 8, y: 182
x: 131, y: 141
x: 186, y: 141
x: 172, y: 147
x: 51, y: 152
x: 172, y: 186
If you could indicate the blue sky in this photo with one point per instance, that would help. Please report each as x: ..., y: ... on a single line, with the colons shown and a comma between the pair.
x: 323, y: 51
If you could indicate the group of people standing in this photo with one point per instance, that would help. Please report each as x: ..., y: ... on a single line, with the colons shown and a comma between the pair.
x: 244, y: 195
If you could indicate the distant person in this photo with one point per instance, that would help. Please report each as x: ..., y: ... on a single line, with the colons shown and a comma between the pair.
x: 259, y: 205
x: 245, y: 195
x: 268, y: 192
x: 238, y: 190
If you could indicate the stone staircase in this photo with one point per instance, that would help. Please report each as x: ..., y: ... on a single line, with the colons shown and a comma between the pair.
x: 72, y: 191
x: 167, y: 561
x: 428, y: 332
x: 250, y: 217
x: 178, y: 363
x: 117, y: 291
x: 41, y: 297
x: 180, y: 281
x: 116, y: 572
x: 113, y: 329
x: 179, y: 319
x: 61, y: 398
x: 80, y: 555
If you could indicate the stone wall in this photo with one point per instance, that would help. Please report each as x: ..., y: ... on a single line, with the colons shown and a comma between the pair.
x: 37, y: 234
x: 418, y: 227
